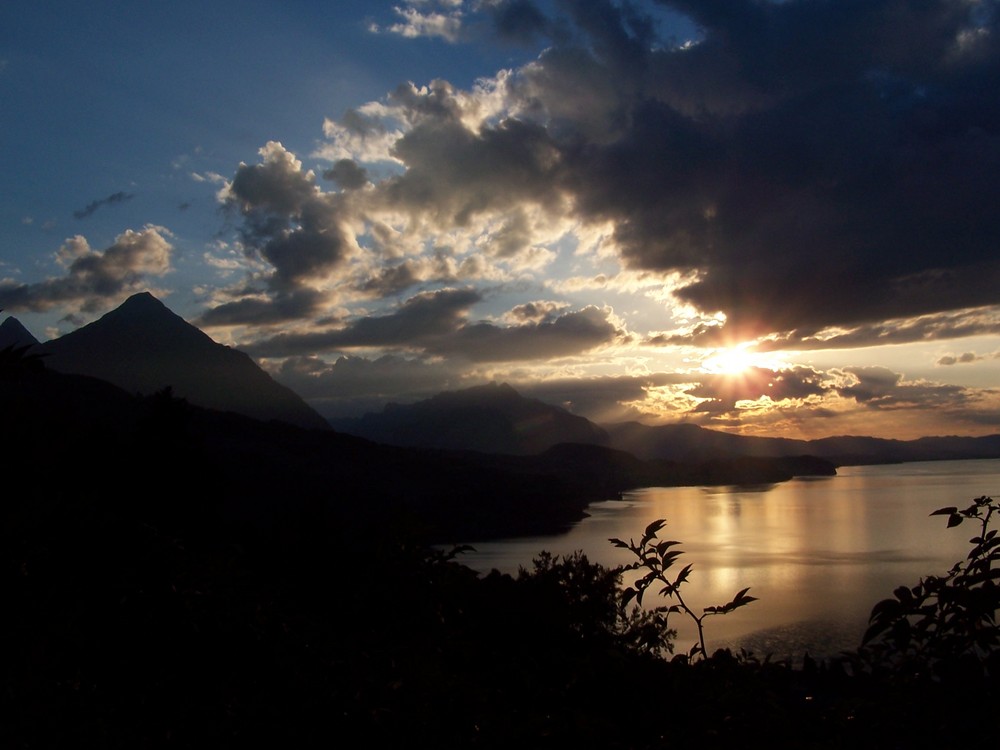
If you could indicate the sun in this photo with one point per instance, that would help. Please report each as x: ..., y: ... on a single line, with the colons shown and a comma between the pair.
x: 734, y: 360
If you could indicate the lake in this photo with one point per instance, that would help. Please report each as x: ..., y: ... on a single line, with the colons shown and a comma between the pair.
x: 818, y: 552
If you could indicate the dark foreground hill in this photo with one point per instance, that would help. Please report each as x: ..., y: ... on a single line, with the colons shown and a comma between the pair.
x: 179, y: 577
x: 267, y: 475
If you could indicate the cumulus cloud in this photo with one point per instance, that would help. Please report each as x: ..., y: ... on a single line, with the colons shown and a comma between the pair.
x: 347, y: 174
x: 292, y: 224
x: 804, y: 165
x: 810, y: 175
x: 95, y: 279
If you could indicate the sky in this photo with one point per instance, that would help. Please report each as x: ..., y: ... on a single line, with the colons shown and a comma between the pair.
x: 760, y: 216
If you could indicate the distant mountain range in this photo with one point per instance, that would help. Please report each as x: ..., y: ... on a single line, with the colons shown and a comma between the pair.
x: 496, y: 419
x: 143, y: 347
x: 490, y: 418
x: 140, y: 387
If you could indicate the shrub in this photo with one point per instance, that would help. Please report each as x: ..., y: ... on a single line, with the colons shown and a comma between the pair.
x: 944, y: 623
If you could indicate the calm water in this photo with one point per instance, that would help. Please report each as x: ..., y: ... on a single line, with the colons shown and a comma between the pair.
x: 817, y: 552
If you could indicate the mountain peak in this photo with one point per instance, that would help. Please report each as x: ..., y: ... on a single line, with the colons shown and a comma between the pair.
x: 12, y: 333
x: 143, y: 347
x: 142, y: 301
x: 491, y: 418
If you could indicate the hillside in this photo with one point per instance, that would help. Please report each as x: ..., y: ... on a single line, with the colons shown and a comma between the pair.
x: 497, y: 419
x: 490, y: 419
x: 143, y: 347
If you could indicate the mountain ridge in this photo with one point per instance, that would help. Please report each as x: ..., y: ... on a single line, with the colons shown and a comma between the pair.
x: 434, y: 423
x: 143, y: 347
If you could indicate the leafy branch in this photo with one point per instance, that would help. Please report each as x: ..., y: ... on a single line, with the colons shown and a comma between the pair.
x: 945, y: 619
x: 657, y: 558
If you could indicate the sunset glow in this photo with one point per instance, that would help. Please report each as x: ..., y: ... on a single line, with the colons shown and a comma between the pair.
x: 666, y: 215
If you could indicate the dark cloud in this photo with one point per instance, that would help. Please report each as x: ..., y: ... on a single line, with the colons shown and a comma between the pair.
x: 112, y: 199
x: 453, y: 174
x: 422, y: 318
x: 351, y: 386
x: 519, y: 20
x: 94, y: 280
x: 287, y: 220
x: 348, y: 174
x: 256, y: 309
x: 536, y: 312
x: 881, y: 388
x: 940, y: 326
x: 817, y: 164
x: 963, y: 359
x: 566, y: 335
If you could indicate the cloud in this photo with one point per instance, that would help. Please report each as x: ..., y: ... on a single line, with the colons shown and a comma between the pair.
x: 983, y: 321
x: 111, y: 200
x: 352, y: 386
x: 288, y: 221
x: 519, y: 20
x: 882, y: 389
x: 804, y: 165
x: 418, y: 320
x: 722, y: 392
x: 95, y: 279
x: 347, y: 174
x: 960, y: 359
x: 566, y: 335
x: 444, y: 22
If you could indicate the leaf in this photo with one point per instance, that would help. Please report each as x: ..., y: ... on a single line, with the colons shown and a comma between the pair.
x: 683, y: 575
x: 652, y: 529
x: 950, y: 510
x: 955, y: 519
x: 885, y: 609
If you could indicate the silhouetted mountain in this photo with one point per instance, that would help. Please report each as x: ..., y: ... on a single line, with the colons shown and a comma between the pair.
x: 491, y: 418
x: 143, y: 348
x: 687, y: 442
x: 274, y: 478
x: 13, y: 334
x: 497, y: 419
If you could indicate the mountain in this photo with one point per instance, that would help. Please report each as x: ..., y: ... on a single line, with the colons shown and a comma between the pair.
x: 497, y: 419
x: 687, y: 442
x: 13, y: 334
x: 490, y: 418
x: 143, y: 347
x: 218, y: 471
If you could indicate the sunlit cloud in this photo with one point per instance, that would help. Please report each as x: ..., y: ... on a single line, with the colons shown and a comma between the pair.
x: 443, y: 18
x: 95, y: 279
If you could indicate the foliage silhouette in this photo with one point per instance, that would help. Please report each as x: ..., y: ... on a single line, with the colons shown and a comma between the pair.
x: 18, y: 362
x: 945, y: 623
x: 161, y: 593
x: 657, y: 558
